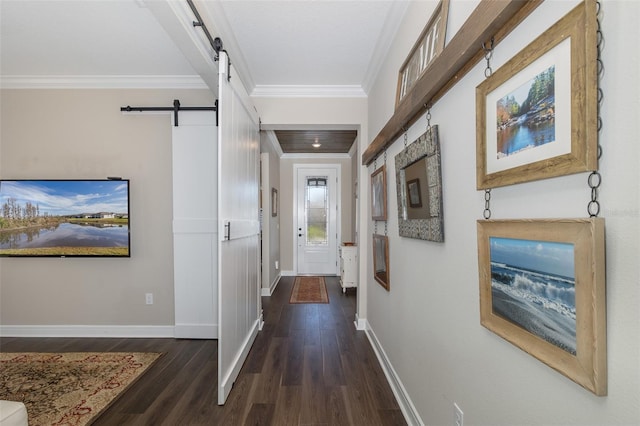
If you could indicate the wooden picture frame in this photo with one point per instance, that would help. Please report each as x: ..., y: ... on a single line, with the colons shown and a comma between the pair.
x: 536, y: 116
x: 429, y: 45
x: 274, y: 202
x: 420, y: 160
x: 542, y: 288
x: 381, y: 260
x: 379, y: 194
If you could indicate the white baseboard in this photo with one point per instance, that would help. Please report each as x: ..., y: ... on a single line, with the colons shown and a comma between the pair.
x: 229, y: 376
x: 87, y: 331
x: 196, y: 331
x: 269, y: 291
x: 360, y: 323
x: 288, y: 273
x: 406, y: 405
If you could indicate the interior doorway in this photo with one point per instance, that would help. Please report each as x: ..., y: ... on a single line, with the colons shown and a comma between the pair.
x: 317, y: 218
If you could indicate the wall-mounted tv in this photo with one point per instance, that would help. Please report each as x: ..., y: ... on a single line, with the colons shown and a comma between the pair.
x: 64, y: 218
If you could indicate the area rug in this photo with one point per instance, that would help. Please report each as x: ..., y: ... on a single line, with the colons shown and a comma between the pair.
x: 309, y: 290
x: 69, y: 388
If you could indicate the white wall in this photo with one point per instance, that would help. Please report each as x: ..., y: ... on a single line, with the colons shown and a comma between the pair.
x: 68, y: 134
x: 429, y: 322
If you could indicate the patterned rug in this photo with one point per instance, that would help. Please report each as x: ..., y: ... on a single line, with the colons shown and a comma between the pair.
x: 309, y: 290
x: 69, y: 388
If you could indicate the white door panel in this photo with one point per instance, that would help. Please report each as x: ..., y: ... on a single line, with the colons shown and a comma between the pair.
x: 238, y: 262
x: 317, y: 219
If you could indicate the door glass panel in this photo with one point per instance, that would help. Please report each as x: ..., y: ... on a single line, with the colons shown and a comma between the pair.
x: 316, y: 211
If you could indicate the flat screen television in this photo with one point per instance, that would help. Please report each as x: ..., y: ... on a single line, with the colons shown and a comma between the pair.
x: 64, y: 218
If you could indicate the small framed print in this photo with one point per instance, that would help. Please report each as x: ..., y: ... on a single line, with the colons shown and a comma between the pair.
x: 379, y: 194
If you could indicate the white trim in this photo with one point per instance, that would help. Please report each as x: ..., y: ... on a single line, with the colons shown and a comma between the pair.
x: 360, y: 323
x: 226, y: 383
x: 354, y: 147
x: 288, y: 273
x: 406, y: 405
x: 87, y: 331
x: 196, y: 331
x: 269, y: 291
x: 273, y: 140
x: 102, y: 82
x: 383, y: 45
x: 308, y: 91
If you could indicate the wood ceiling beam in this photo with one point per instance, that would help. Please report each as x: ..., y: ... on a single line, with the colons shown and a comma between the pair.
x: 491, y: 18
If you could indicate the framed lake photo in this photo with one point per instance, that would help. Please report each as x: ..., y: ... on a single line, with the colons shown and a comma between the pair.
x: 64, y: 218
x: 379, y: 194
x: 536, y: 116
x: 542, y: 288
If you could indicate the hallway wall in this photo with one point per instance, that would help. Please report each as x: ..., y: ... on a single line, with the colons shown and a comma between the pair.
x: 429, y: 322
x: 69, y: 134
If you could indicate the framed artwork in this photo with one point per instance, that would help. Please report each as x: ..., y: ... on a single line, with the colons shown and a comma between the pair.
x: 381, y: 260
x: 428, y: 46
x: 542, y: 288
x: 536, y: 116
x: 419, y: 188
x: 274, y: 202
x: 379, y: 194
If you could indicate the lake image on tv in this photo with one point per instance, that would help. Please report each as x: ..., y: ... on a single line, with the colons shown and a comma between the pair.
x: 533, y: 287
x: 64, y: 218
x: 525, y: 118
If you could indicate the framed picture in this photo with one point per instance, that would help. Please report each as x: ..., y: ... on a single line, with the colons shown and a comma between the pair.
x: 413, y: 191
x: 428, y: 46
x: 536, y: 116
x: 542, y: 288
x: 381, y: 260
x: 419, y: 188
x: 274, y: 202
x: 379, y: 194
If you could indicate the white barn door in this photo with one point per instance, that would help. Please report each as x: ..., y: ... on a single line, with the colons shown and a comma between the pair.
x: 195, y: 225
x: 239, y: 309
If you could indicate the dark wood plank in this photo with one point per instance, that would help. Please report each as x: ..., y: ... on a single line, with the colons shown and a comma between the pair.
x: 490, y: 19
x: 309, y: 365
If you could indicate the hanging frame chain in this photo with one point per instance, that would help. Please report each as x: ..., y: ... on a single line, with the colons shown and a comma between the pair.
x: 487, y: 204
x: 488, y: 53
x: 428, y: 116
x: 595, y: 179
x: 405, y: 136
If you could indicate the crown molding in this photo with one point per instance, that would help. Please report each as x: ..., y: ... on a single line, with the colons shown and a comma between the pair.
x: 308, y: 91
x: 383, y: 45
x: 102, y: 82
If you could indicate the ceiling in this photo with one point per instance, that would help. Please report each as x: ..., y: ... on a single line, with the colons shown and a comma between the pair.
x: 277, y: 47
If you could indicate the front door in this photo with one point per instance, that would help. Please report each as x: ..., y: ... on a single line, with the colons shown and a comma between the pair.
x: 317, y: 231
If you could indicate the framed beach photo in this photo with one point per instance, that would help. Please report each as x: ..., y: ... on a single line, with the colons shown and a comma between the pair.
x: 381, y: 260
x: 542, y: 288
x: 379, y: 194
x: 536, y: 116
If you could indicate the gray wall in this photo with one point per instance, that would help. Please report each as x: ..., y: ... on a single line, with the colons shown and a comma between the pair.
x: 68, y: 134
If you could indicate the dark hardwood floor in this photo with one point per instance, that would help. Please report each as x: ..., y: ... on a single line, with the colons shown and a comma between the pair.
x: 308, y: 366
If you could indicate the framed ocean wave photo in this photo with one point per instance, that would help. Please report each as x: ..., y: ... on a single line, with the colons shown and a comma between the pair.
x: 536, y: 115
x: 542, y: 288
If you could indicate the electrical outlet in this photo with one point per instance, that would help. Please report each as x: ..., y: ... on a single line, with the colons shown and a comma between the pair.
x: 149, y: 298
x: 458, y: 415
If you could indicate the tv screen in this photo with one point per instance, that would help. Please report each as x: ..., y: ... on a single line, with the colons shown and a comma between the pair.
x: 64, y: 218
